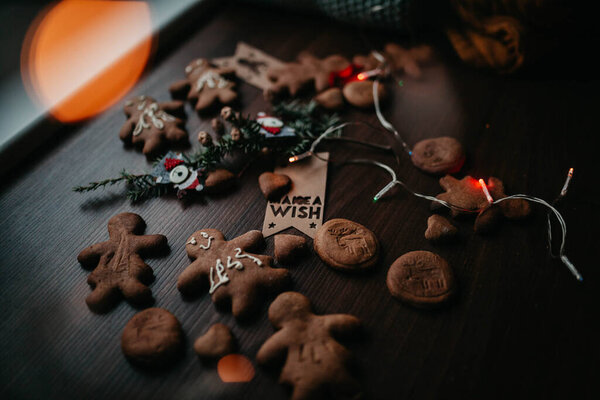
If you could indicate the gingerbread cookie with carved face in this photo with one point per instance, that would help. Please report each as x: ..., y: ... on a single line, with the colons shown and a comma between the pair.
x: 153, y: 125
x: 346, y: 245
x: 231, y: 272
x: 205, y: 85
x: 441, y: 155
x: 421, y: 278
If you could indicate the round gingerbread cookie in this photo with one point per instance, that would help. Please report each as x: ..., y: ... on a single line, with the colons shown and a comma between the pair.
x: 360, y: 93
x: 442, y: 155
x: 346, y: 245
x: 152, y: 338
x: 421, y: 278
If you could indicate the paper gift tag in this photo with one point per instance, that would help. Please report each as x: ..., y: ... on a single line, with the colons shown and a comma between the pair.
x: 250, y: 64
x: 304, y: 205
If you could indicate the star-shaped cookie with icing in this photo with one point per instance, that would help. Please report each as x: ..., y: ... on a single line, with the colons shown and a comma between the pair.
x: 231, y: 272
x: 205, y: 85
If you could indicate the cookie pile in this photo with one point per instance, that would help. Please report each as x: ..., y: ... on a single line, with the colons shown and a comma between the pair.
x: 234, y: 272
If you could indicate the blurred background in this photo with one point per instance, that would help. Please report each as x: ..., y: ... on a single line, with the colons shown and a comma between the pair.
x: 69, y: 60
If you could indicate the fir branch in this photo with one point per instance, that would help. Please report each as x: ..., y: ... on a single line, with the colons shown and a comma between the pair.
x: 125, y: 176
x: 140, y: 187
x: 307, y: 120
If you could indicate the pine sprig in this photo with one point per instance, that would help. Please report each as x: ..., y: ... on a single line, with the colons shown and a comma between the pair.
x: 307, y: 120
x: 140, y: 187
x: 252, y: 141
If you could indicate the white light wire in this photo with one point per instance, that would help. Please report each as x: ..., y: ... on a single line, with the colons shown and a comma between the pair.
x: 388, y: 126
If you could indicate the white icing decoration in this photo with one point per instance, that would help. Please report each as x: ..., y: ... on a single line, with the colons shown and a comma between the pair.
x: 211, y: 79
x: 206, y: 236
x: 222, y: 269
x: 157, y: 117
x: 239, y: 254
x: 221, y: 274
x: 192, y: 241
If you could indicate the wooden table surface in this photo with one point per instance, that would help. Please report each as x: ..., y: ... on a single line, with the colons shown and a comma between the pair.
x: 521, y: 325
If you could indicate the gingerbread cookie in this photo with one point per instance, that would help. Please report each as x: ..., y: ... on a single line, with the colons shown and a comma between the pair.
x: 465, y: 193
x: 152, y: 125
x: 205, y: 85
x: 215, y: 343
x: 421, y: 278
x: 152, y: 338
x: 294, y: 76
x: 289, y: 248
x: 316, y: 364
x: 360, y: 93
x: 331, y: 99
x: 368, y: 62
x: 273, y: 185
x: 407, y: 60
x: 439, y: 229
x: 487, y: 219
x: 232, y: 273
x: 219, y: 181
x: 468, y: 194
x: 397, y: 58
x: 346, y: 245
x: 442, y: 155
x: 118, y: 265
x: 511, y: 208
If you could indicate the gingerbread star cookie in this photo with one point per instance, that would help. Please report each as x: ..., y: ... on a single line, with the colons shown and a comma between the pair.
x: 294, y: 76
x: 231, y: 272
x: 316, y: 364
x: 205, y: 85
x: 152, y: 125
x: 118, y: 266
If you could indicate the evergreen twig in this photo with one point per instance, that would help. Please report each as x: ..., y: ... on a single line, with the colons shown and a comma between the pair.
x: 307, y: 121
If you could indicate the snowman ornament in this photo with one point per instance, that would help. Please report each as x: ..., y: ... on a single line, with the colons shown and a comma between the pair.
x: 172, y: 169
x: 273, y: 127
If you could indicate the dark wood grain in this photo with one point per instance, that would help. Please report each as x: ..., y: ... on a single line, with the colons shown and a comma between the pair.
x: 520, y: 327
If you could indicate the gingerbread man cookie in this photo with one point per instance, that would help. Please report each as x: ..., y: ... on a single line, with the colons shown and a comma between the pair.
x: 205, y: 85
x: 118, y: 266
x: 152, y: 125
x: 232, y: 273
x: 316, y: 364
x: 398, y: 58
x: 467, y: 193
x: 294, y: 76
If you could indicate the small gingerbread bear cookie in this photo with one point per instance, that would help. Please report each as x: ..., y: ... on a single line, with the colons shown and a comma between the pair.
x: 118, y: 266
x: 232, y: 273
x: 316, y: 364
x: 205, y: 85
x: 152, y: 125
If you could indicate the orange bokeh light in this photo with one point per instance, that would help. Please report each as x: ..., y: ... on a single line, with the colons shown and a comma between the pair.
x: 80, y: 57
x: 235, y: 368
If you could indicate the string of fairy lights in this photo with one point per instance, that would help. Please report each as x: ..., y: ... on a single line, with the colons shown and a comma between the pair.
x: 399, y: 146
